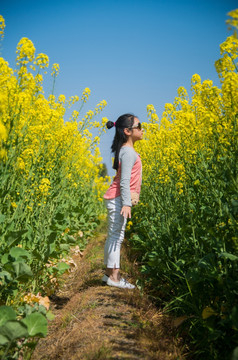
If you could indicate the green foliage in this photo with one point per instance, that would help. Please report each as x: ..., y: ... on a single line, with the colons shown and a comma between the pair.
x: 186, y: 236
x: 187, y: 246
x: 30, y: 239
x: 16, y: 329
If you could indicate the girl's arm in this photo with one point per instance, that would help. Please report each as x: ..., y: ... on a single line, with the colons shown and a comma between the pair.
x: 127, y: 160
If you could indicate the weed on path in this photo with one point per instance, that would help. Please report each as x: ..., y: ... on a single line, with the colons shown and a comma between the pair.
x: 96, y: 322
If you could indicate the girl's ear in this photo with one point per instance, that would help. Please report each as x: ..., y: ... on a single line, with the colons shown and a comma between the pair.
x: 127, y: 131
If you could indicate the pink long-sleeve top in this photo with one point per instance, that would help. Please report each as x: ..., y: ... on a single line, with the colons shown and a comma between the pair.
x: 128, y: 177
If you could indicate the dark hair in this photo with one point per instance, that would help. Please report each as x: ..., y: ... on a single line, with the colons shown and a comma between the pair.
x: 120, y: 138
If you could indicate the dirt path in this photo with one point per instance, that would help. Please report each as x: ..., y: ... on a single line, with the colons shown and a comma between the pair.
x: 94, y: 321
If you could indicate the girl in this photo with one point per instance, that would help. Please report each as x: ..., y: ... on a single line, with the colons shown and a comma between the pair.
x: 126, y: 183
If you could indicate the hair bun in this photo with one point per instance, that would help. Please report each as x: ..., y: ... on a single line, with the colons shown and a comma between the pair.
x: 109, y: 124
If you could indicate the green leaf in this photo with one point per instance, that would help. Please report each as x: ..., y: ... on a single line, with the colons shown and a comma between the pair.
x: 18, y: 252
x: 5, y: 275
x: 27, y: 309
x: 206, y: 261
x: 59, y: 217
x: 52, y: 248
x: 235, y: 354
x: 4, y: 258
x: 70, y: 239
x: 234, y: 204
x: 42, y: 310
x: 13, y: 329
x: 6, y: 313
x: 22, y: 271
x: 62, y: 266
x: 234, y: 316
x: 13, y: 237
x: 64, y: 247
x: 36, y: 254
x: 3, y: 340
x: 52, y: 237
x: 2, y: 218
x: 36, y: 324
x: 50, y: 316
x: 228, y: 256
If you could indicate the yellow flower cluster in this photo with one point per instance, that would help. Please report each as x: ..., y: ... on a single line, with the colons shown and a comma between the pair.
x: 86, y: 94
x: 25, y: 51
x: 55, y: 70
x: 186, y: 224
x: 34, y: 135
x: 42, y: 61
x: 234, y: 18
x: 44, y: 186
x: 100, y: 106
x: 90, y: 114
x: 72, y: 100
x: 187, y: 127
x: 2, y: 26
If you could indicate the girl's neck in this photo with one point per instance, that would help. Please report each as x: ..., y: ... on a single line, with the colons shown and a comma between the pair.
x: 129, y: 143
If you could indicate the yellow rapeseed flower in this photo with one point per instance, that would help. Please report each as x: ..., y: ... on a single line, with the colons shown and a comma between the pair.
x: 42, y: 61
x: 25, y: 51
x: 2, y: 26
x: 55, y: 70
x: 85, y: 94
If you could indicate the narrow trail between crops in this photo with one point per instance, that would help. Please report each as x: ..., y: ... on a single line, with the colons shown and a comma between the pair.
x: 95, y: 321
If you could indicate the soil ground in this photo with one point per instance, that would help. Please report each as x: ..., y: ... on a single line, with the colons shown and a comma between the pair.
x: 97, y: 322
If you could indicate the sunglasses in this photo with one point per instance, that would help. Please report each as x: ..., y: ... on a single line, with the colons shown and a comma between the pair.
x: 138, y: 126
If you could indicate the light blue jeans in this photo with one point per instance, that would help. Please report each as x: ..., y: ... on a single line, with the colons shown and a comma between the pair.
x: 116, y: 232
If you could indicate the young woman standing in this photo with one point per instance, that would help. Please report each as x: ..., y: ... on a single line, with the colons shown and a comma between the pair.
x: 125, y: 187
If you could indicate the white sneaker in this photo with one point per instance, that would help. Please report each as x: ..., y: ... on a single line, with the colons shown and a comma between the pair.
x: 105, y: 278
x: 123, y: 284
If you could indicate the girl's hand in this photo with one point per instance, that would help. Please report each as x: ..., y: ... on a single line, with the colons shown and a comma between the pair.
x: 126, y: 211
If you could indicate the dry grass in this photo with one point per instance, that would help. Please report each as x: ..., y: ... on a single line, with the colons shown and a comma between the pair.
x: 97, y: 322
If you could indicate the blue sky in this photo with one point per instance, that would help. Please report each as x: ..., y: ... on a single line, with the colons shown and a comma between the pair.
x: 130, y: 53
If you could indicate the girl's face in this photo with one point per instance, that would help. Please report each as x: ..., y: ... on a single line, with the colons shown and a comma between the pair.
x: 136, y: 131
